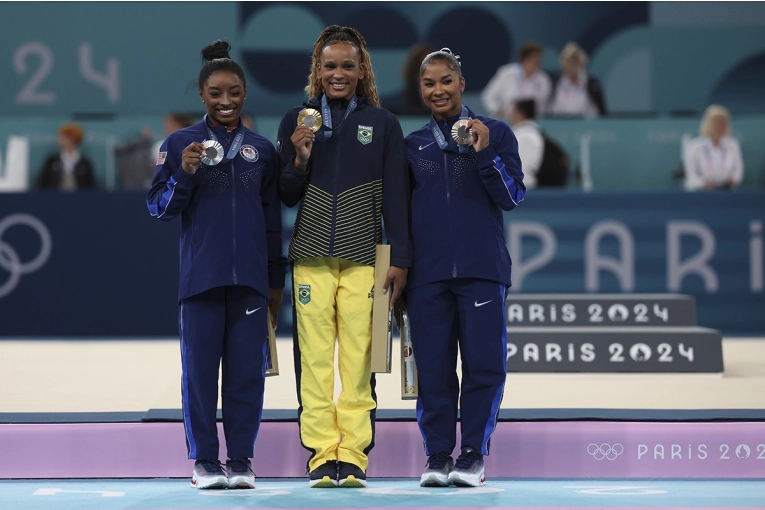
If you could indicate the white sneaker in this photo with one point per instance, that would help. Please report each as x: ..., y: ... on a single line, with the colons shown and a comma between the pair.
x: 437, y: 470
x: 240, y: 475
x: 208, y: 474
x: 468, y: 471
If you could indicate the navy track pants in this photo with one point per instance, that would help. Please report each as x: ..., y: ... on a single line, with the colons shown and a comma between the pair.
x: 467, y: 313
x: 225, y: 324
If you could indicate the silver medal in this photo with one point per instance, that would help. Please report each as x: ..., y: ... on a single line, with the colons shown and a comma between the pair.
x: 213, y: 153
x: 461, y: 134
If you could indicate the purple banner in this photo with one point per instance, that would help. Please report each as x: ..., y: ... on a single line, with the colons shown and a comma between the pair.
x: 519, y: 450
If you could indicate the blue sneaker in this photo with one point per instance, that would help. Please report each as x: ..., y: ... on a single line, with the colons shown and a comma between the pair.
x: 208, y: 474
x: 240, y: 475
x: 437, y: 470
x: 468, y: 471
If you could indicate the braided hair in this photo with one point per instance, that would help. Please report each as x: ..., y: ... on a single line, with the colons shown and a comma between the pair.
x: 335, y: 34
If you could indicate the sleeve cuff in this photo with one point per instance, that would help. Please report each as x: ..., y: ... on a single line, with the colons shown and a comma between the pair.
x: 275, y: 279
x: 401, y: 262
x: 293, y: 168
x: 485, y: 158
x: 184, y: 178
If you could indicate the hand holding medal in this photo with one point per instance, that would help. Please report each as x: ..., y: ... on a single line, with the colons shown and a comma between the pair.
x: 479, y: 133
x: 190, y: 157
x: 308, y: 123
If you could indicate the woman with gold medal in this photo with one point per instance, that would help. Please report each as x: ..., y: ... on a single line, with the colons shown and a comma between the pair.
x: 465, y: 170
x: 343, y: 158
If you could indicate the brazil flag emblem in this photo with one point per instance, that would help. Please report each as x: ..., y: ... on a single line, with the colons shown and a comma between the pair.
x: 365, y: 134
x: 304, y: 293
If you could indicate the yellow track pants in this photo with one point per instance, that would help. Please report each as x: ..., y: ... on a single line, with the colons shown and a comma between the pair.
x: 333, y: 300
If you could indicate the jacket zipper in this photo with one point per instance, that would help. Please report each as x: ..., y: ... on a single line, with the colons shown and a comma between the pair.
x: 233, y: 215
x: 449, y: 208
x: 334, y: 205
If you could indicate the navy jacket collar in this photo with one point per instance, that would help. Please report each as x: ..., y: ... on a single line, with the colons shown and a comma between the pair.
x: 315, y: 102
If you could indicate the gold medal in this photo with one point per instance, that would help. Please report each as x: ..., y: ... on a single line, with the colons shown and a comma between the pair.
x: 311, y: 118
x: 461, y: 134
x: 213, y: 153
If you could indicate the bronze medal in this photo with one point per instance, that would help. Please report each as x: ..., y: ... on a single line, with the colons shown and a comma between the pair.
x: 461, y: 134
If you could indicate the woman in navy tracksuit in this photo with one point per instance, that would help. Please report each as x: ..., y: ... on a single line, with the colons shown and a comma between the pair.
x: 231, y: 268
x: 460, y: 272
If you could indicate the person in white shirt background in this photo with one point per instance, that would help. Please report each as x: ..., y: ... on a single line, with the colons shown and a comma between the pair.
x: 713, y: 160
x: 577, y: 93
x: 514, y: 82
x: 531, y: 145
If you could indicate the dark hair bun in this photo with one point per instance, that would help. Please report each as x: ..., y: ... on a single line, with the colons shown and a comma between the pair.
x: 218, y: 49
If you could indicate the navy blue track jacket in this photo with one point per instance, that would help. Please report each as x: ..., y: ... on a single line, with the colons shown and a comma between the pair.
x: 231, y: 221
x: 355, y: 179
x: 457, y: 204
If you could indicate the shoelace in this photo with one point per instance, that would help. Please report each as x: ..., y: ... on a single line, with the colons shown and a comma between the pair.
x: 438, y: 460
x: 239, y: 465
x: 212, y: 466
x: 467, y: 459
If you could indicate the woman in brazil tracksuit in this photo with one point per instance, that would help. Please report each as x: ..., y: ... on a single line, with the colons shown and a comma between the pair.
x: 465, y: 171
x: 345, y: 158
x: 221, y: 179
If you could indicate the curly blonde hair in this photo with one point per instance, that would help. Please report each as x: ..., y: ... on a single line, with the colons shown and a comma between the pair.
x: 335, y: 34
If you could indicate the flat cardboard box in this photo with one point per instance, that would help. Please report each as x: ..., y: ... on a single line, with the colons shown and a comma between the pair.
x: 381, y: 316
x: 272, y: 361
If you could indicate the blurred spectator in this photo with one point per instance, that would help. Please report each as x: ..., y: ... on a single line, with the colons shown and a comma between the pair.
x: 173, y: 122
x: 576, y: 93
x: 514, y: 82
x: 409, y: 102
x: 713, y: 160
x: 248, y: 120
x: 137, y: 159
x: 545, y: 164
x: 68, y: 170
x: 531, y: 145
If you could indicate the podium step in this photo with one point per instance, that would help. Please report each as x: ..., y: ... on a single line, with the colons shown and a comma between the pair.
x: 539, y: 449
x: 601, y: 310
x: 614, y: 349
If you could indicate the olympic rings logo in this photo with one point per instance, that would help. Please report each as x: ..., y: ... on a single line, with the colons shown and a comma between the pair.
x: 605, y: 451
x: 9, y: 258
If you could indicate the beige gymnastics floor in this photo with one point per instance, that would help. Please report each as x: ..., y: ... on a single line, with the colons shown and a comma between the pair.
x: 103, y: 376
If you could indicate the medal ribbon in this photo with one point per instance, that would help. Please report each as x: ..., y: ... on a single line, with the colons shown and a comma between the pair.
x: 234, y: 146
x: 439, y: 136
x: 326, y: 117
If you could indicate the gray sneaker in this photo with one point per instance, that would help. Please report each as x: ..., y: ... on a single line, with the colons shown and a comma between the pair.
x: 437, y: 470
x: 468, y: 471
x: 208, y: 474
x: 240, y: 475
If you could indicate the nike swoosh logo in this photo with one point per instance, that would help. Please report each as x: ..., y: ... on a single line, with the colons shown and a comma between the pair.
x: 478, y: 305
x: 250, y: 312
x: 423, y: 146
